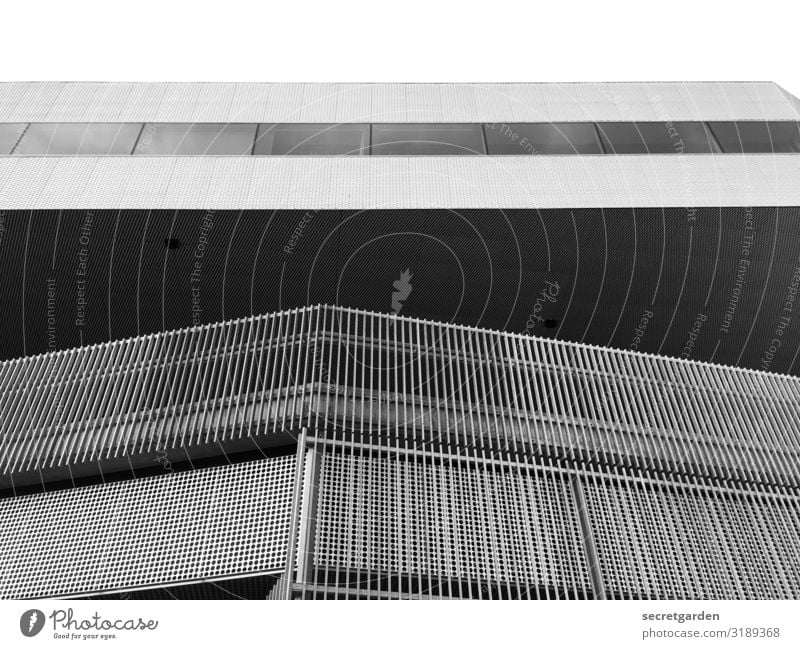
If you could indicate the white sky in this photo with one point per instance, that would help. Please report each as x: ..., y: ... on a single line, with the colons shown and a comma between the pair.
x: 348, y: 40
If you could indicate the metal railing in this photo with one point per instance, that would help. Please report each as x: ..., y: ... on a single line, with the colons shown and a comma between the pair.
x: 402, y: 379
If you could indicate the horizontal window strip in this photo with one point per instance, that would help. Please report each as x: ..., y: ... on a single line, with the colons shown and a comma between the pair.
x: 430, y: 139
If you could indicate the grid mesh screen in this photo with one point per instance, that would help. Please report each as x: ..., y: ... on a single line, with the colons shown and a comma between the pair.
x: 657, y: 542
x: 201, y: 524
x: 446, y: 521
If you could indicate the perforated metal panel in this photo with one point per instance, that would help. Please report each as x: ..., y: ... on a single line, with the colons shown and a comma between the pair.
x: 661, y: 541
x: 439, y: 520
x: 202, y: 524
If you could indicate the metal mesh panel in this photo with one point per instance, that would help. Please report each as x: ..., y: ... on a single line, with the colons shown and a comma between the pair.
x: 438, y: 520
x: 202, y: 524
x: 657, y: 541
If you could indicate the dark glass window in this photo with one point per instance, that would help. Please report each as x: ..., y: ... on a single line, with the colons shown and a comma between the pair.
x: 545, y: 138
x: 400, y: 139
x: 196, y: 139
x: 757, y: 137
x: 78, y: 139
x: 656, y: 137
x: 427, y: 139
x: 312, y: 139
x: 9, y: 134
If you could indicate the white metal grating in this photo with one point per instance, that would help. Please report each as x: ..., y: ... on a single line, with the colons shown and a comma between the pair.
x: 516, y: 529
x: 675, y: 543
x: 450, y: 462
x: 201, y: 524
x: 341, y: 369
